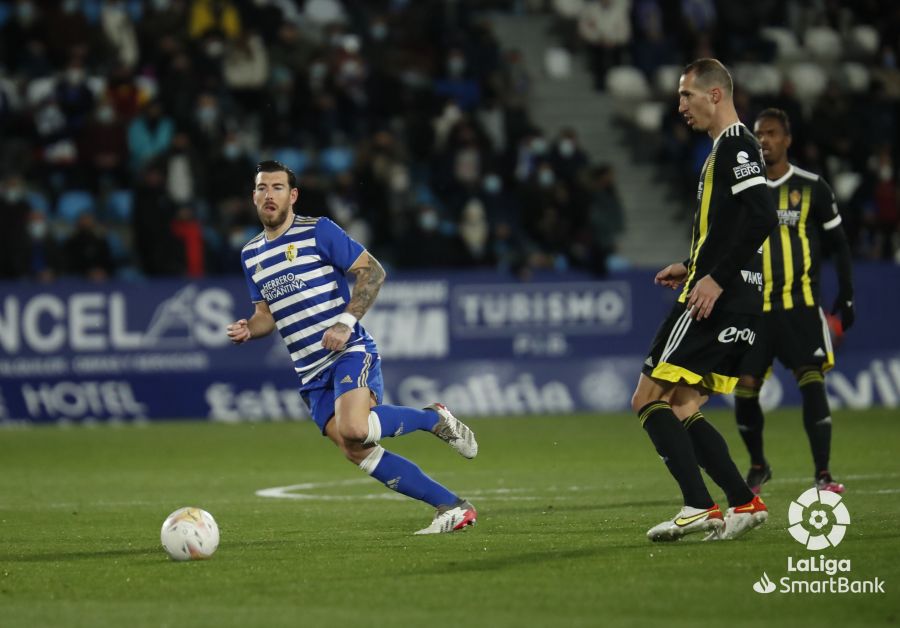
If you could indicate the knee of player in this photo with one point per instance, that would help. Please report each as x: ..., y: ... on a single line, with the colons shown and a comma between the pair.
x: 361, y: 428
x: 640, y: 399
x: 353, y: 429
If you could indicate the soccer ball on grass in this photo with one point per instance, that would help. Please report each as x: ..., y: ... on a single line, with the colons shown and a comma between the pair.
x: 189, y: 534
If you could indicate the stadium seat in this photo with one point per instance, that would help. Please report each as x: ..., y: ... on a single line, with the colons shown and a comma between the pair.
x: 809, y: 79
x: 627, y: 83
x: 336, y: 159
x: 91, y: 10
x: 72, y: 204
x: 557, y: 62
x: 39, y: 90
x: 823, y: 43
x: 118, y: 206
x: 758, y: 79
x: 665, y: 81
x: 118, y: 248
x: 863, y: 39
x: 845, y: 185
x: 294, y: 158
x: 785, y: 42
x: 38, y: 202
x: 648, y: 116
x: 855, y: 76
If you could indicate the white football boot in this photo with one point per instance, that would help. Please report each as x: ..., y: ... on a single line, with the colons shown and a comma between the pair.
x: 454, y: 432
x: 452, y: 518
x: 688, y: 521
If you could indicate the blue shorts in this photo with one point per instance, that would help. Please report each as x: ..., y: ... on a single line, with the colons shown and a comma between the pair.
x: 352, y: 370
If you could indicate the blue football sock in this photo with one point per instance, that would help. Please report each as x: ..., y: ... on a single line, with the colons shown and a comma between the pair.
x: 403, y: 476
x: 399, y: 420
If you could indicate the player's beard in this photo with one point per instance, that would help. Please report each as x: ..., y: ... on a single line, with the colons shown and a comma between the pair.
x: 273, y: 220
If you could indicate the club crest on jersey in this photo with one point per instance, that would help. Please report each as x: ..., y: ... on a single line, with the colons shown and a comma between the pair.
x: 794, y: 197
x: 291, y: 252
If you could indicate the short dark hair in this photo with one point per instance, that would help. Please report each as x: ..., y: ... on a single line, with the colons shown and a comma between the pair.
x: 270, y: 165
x: 709, y: 72
x: 776, y: 114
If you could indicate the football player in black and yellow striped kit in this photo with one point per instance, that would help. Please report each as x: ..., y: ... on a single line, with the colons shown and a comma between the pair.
x: 699, y: 347
x: 794, y: 328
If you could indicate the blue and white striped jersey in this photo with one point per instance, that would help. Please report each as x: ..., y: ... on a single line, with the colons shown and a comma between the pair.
x: 302, y: 275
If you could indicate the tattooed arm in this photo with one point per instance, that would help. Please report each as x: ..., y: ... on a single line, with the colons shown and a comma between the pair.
x: 370, y: 276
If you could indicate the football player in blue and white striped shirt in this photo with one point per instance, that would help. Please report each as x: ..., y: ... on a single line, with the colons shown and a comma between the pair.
x: 296, y: 272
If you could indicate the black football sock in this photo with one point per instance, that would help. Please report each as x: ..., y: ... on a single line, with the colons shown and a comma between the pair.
x: 750, y: 422
x: 713, y: 456
x: 816, y: 417
x: 674, y: 447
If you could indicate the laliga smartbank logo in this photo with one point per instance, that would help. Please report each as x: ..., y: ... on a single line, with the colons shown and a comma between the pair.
x: 818, y: 520
x: 814, y: 513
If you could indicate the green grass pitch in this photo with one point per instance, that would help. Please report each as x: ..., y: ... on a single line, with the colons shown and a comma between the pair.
x: 564, y: 503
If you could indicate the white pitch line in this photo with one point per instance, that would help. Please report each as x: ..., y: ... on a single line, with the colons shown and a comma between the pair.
x: 870, y: 476
x: 291, y: 492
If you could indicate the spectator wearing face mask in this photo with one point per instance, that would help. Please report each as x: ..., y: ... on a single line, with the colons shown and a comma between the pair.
x: 567, y: 157
x: 87, y: 250
x: 43, y: 256
x: 103, y: 149
x: 15, y: 209
x: 24, y: 26
x: 457, y: 83
x: 149, y: 135
x: 66, y: 29
x: 425, y: 244
x: 474, y: 231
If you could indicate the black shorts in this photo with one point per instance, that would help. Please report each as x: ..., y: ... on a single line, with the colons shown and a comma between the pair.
x: 797, y: 337
x: 706, y: 353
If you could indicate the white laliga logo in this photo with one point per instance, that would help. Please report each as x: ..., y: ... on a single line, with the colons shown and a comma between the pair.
x: 743, y: 157
x: 810, y: 530
x: 764, y: 585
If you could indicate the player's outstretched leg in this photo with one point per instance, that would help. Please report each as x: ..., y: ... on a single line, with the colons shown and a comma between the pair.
x: 388, y: 421
x: 404, y: 476
x: 351, y: 428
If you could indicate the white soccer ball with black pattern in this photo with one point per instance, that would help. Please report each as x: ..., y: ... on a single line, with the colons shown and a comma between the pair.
x: 190, y: 534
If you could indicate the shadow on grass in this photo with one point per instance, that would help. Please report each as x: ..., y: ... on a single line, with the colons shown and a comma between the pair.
x: 55, y: 557
x: 525, y: 559
x: 532, y: 507
x: 149, y: 551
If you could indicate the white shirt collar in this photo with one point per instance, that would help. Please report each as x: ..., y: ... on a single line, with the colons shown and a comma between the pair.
x: 787, y: 175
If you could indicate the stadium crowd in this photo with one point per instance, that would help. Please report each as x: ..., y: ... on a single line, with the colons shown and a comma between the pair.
x: 131, y: 129
x: 832, y: 65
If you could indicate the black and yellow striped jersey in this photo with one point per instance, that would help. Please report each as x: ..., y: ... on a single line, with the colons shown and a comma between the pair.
x: 731, y: 207
x: 792, y: 253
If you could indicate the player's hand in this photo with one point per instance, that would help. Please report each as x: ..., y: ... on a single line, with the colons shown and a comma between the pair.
x: 702, y: 298
x: 671, y: 276
x: 844, y: 307
x: 239, y: 331
x: 336, y: 337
